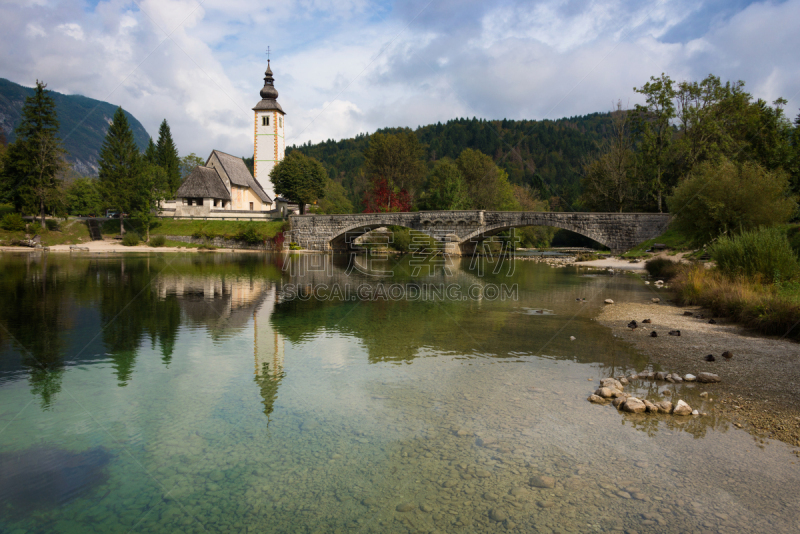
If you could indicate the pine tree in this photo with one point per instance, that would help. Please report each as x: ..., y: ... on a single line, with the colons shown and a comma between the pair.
x: 167, y: 158
x: 151, y: 153
x: 34, y: 160
x: 121, y: 167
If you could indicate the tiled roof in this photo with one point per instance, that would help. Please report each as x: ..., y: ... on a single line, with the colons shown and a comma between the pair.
x: 239, y: 174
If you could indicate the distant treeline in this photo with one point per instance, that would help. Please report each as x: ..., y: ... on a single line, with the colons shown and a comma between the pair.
x: 545, y: 155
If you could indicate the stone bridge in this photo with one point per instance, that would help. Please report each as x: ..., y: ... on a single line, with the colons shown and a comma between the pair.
x: 460, y: 231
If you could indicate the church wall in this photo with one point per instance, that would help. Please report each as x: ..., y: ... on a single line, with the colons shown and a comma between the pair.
x: 241, y: 198
x: 270, y: 146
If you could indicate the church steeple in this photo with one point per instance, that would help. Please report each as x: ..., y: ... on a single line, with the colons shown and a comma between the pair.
x: 268, y: 91
x: 269, y: 144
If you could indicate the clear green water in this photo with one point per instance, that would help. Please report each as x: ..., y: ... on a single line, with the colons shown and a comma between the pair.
x: 186, y: 393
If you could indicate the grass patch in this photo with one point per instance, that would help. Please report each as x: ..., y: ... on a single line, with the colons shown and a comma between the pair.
x: 202, y: 229
x: 772, y: 309
x: 72, y: 232
x: 764, y: 254
x: 673, y: 240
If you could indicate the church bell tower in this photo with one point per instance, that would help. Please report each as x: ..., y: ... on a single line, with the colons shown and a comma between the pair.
x: 269, y: 144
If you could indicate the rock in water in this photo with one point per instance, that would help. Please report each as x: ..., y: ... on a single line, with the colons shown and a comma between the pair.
x: 675, y: 332
x: 689, y: 378
x: 661, y: 375
x: 727, y: 355
x: 611, y: 383
x: 682, y: 409
x: 497, y: 515
x: 664, y: 406
x: 634, y: 405
x: 597, y: 399
x: 405, y: 507
x: 653, y: 334
x: 652, y: 408
x: 608, y: 301
x: 710, y: 358
x: 619, y: 401
x: 708, y: 378
x: 656, y: 300
x: 543, y: 481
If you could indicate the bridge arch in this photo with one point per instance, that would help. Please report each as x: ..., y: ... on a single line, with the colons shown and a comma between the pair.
x: 467, y: 242
x: 341, y: 240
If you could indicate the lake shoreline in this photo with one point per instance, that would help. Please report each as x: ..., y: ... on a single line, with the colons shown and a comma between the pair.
x: 758, y: 388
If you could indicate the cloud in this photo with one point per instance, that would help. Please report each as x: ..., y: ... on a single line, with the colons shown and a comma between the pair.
x: 347, y: 67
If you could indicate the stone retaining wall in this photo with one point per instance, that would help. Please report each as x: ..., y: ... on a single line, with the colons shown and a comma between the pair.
x: 221, y: 242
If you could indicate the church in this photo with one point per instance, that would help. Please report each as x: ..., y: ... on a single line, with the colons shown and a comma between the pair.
x: 224, y: 187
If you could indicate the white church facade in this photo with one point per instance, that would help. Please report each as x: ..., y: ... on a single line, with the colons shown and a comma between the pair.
x: 224, y: 186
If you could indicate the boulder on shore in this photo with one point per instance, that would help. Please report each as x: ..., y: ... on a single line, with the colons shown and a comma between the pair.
x: 664, y: 406
x: 708, y: 378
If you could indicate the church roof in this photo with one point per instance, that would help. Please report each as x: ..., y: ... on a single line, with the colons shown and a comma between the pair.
x: 269, y: 95
x: 267, y: 105
x: 239, y: 174
x: 203, y: 182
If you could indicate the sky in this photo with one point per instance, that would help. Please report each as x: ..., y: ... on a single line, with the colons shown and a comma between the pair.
x: 344, y: 67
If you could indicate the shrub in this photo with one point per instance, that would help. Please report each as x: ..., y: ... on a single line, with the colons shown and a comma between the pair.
x: 158, y: 241
x: 662, y: 268
x: 726, y: 197
x: 52, y: 225
x: 294, y: 246
x: 131, y: 239
x: 249, y: 234
x: 197, y: 234
x: 764, y: 253
x: 13, y: 222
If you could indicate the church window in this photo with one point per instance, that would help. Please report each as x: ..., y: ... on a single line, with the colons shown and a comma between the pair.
x: 264, y: 121
x: 280, y: 122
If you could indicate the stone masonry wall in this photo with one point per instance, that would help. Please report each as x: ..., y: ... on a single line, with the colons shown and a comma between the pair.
x: 460, y: 230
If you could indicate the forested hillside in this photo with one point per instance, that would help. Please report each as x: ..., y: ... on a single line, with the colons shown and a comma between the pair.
x: 83, y: 123
x: 546, y: 155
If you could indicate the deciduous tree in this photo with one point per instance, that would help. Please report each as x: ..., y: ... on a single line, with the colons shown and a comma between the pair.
x: 299, y: 178
x: 397, y: 158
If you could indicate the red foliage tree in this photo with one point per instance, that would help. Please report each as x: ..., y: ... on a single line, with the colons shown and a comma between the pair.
x: 382, y: 198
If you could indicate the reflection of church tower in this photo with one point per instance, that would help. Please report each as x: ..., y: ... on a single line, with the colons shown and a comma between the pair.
x: 269, y: 144
x: 268, y: 344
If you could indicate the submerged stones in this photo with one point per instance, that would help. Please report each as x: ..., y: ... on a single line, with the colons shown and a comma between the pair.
x: 543, y: 481
x: 405, y: 507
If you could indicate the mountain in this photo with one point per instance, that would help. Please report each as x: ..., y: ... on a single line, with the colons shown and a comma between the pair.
x: 83, y: 123
x: 547, y: 155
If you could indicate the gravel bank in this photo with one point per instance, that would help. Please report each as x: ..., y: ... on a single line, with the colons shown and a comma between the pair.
x: 759, y: 388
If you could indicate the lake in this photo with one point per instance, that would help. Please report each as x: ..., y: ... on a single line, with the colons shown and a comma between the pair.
x: 266, y: 393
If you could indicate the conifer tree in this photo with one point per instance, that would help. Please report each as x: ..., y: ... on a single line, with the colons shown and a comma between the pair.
x: 121, y: 167
x: 34, y: 160
x: 151, y: 153
x: 167, y: 158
